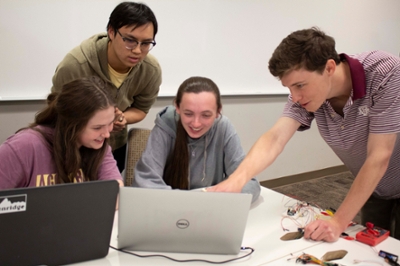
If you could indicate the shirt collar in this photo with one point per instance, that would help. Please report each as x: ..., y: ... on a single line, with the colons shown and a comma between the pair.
x: 357, y: 76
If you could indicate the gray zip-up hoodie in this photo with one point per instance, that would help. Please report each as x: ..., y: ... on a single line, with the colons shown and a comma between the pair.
x: 213, y: 157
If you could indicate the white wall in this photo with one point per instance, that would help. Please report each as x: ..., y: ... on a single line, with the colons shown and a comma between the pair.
x: 229, y: 41
x: 251, y: 116
x: 197, y: 36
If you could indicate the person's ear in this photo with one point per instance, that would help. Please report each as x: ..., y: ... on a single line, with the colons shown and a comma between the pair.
x: 330, y: 67
x: 177, y: 109
x: 111, y: 33
x: 219, y: 112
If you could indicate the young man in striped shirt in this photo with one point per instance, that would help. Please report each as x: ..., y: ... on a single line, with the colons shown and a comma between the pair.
x: 356, y: 103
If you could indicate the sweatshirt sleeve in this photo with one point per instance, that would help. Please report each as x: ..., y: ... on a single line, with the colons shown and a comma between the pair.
x: 149, y: 169
x: 12, y: 173
x: 108, y: 168
x: 234, y: 155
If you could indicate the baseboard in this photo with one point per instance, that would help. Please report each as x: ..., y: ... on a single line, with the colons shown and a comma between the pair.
x: 286, y: 180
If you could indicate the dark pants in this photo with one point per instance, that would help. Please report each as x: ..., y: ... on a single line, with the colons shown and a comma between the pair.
x: 119, y: 156
x: 383, y: 213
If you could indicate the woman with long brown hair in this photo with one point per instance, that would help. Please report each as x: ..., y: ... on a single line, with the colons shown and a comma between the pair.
x: 67, y: 143
x: 192, y: 144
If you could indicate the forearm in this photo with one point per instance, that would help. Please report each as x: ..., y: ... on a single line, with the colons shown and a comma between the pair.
x: 261, y: 155
x: 149, y: 169
x: 265, y: 150
x: 133, y: 115
x: 362, y: 188
x: 379, y: 152
x: 148, y: 174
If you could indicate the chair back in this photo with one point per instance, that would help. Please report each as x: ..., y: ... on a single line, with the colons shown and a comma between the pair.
x: 137, y: 140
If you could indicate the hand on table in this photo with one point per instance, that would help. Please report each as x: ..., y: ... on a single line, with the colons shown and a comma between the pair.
x: 323, y: 230
x: 226, y: 186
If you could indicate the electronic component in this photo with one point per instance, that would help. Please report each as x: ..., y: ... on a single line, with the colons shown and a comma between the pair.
x: 372, y: 235
x: 389, y: 258
x: 291, y: 212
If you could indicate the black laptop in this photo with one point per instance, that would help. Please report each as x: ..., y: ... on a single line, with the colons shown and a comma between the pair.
x: 58, y: 224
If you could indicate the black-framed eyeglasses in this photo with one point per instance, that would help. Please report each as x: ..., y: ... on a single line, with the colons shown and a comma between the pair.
x: 131, y: 44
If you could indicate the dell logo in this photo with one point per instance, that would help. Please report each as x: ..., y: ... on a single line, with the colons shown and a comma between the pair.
x: 182, y: 224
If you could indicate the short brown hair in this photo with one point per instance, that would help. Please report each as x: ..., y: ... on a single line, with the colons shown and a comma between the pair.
x: 309, y: 49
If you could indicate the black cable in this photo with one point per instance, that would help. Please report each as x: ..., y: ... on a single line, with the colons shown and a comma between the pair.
x: 192, y: 260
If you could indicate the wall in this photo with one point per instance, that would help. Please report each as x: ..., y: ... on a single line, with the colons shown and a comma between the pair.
x: 251, y: 116
x: 229, y: 41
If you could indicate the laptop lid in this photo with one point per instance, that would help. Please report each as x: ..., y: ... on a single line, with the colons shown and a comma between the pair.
x: 181, y: 221
x: 58, y: 224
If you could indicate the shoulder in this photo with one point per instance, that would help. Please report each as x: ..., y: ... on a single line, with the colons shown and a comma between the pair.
x: 91, y: 47
x: 25, y: 136
x: 145, y: 79
x: 223, y: 122
x: 82, y: 61
x: 222, y: 127
x: 151, y: 66
x: 381, y: 70
x: 374, y: 55
x: 379, y: 61
x: 167, y: 118
x: 151, y: 61
x: 168, y: 113
x: 27, y: 139
x: 87, y: 49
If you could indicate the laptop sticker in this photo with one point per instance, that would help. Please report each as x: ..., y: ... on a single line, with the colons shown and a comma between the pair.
x: 13, y: 203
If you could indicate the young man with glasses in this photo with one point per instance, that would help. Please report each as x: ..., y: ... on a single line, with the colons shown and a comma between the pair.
x: 120, y: 57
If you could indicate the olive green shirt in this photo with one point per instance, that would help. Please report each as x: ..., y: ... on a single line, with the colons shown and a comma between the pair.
x: 139, y: 89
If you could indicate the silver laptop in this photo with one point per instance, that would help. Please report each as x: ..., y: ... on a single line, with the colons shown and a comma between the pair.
x: 56, y: 225
x: 160, y: 220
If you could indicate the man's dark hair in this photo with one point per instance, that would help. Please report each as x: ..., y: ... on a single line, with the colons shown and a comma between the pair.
x: 131, y: 14
x: 309, y: 49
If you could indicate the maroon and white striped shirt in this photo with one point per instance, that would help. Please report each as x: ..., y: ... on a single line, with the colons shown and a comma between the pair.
x: 373, y: 107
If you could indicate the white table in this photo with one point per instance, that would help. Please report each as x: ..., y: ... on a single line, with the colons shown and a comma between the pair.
x: 263, y: 232
x: 357, y: 251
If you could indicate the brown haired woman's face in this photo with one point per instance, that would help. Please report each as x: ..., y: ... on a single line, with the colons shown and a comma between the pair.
x: 198, y: 112
x: 97, y: 129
